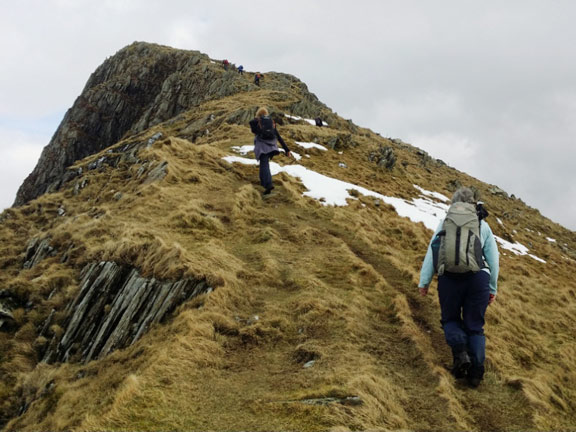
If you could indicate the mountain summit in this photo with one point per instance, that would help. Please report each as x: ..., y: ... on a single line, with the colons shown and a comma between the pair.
x: 140, y: 86
x: 147, y: 284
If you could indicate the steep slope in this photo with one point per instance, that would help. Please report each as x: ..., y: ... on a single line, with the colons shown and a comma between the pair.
x: 140, y: 86
x: 307, y: 317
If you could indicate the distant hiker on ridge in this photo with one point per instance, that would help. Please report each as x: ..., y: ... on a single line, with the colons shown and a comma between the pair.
x: 266, y: 139
x: 241, y: 70
x: 318, y: 121
x: 257, y: 77
x: 463, y: 252
x: 225, y: 64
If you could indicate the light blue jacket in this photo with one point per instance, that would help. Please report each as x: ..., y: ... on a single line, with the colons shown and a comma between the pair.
x: 489, y: 248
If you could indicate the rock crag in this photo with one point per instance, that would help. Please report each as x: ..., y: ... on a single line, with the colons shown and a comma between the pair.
x: 142, y: 85
x: 114, y: 308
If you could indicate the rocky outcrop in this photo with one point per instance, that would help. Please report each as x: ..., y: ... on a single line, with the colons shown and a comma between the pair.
x: 114, y: 308
x: 140, y: 86
x: 5, y: 313
x: 495, y: 190
x: 342, y: 142
x: 384, y: 157
x: 36, y: 250
x: 7, y: 304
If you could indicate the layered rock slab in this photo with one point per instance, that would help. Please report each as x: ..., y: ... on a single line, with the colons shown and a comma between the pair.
x: 114, y: 308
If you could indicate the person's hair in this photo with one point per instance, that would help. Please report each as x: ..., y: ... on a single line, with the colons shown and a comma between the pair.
x: 262, y: 111
x: 465, y: 195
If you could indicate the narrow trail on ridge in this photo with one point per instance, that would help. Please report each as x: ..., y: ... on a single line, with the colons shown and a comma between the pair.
x: 390, y: 353
x: 494, y: 405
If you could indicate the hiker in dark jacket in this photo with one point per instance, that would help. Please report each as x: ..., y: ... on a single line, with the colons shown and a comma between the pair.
x: 464, y: 295
x: 266, y: 139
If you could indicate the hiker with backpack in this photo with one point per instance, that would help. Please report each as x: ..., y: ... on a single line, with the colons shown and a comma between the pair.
x: 266, y: 139
x: 257, y: 77
x: 464, y: 253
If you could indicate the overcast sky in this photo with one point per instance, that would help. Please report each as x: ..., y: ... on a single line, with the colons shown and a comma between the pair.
x: 489, y: 87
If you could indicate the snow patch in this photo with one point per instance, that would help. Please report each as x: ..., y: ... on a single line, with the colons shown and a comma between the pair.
x: 436, y: 195
x: 536, y: 258
x: 331, y: 191
x: 238, y: 159
x: 517, y: 248
x: 551, y: 240
x: 309, y: 145
x: 312, y: 122
x: 297, y: 156
x: 243, y: 150
x: 500, y: 221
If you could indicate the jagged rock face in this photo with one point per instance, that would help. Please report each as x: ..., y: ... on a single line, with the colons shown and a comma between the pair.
x: 114, y: 308
x: 5, y: 313
x: 36, y: 251
x: 142, y: 85
x: 384, y: 157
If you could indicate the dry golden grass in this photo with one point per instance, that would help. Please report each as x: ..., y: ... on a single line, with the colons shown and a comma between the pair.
x: 294, y: 281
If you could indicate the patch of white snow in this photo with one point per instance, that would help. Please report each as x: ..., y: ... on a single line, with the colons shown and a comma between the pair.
x: 243, y: 150
x: 536, y: 258
x: 245, y: 161
x: 436, y: 195
x: 331, y: 191
x: 517, y: 248
x: 309, y: 145
x: 312, y: 122
x: 297, y: 156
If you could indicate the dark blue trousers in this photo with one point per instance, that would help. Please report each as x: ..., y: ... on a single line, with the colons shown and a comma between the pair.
x: 265, y: 175
x: 463, y: 303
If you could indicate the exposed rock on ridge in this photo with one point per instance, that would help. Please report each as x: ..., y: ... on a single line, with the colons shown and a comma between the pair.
x: 317, y: 324
x: 140, y: 86
x: 114, y: 308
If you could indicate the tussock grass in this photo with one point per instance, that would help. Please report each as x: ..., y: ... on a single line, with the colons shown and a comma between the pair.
x: 294, y: 281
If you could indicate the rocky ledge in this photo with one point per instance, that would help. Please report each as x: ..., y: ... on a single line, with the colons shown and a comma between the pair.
x: 114, y: 308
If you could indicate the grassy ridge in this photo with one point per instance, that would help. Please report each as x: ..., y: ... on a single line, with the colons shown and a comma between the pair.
x: 294, y: 281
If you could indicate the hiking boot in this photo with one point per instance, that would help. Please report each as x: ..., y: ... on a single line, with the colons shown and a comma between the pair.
x: 474, y: 382
x: 475, y: 375
x: 268, y: 190
x: 461, y: 364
